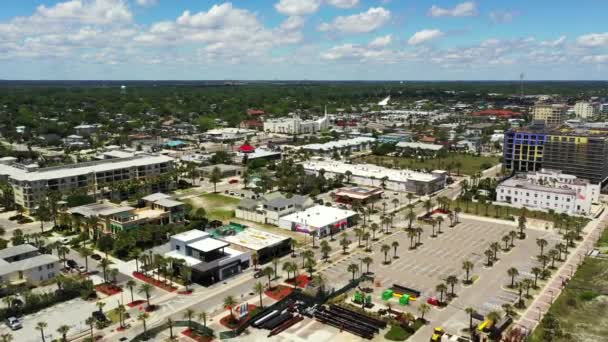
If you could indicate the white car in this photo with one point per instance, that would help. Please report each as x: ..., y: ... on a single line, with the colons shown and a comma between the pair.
x: 13, y: 323
x: 65, y: 241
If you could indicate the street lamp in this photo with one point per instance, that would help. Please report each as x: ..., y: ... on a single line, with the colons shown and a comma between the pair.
x: 551, y: 292
x: 539, y: 312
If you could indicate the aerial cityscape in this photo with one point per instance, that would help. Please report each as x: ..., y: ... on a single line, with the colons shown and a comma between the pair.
x: 303, y: 170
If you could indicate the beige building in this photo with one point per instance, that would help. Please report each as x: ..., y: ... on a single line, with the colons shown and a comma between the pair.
x: 552, y: 114
x: 585, y: 110
x: 25, y: 264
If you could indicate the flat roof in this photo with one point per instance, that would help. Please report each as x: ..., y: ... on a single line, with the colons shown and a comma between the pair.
x: 90, y: 167
x: 16, y: 250
x: 155, y: 197
x: 100, y: 209
x: 253, y: 239
x: 319, y: 216
x: 422, y: 146
x: 190, y: 261
x: 26, y: 264
x: 328, y: 146
x: 190, y: 235
x: 526, y: 184
x: 168, y: 203
x: 208, y: 244
x: 369, y: 171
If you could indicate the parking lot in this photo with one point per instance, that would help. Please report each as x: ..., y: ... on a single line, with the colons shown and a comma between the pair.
x: 428, y: 265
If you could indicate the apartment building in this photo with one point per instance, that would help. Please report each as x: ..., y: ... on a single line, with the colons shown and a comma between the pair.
x: 549, y: 190
x: 25, y: 264
x: 523, y: 151
x: 553, y: 115
x: 586, y: 110
x: 31, y: 185
x: 295, y: 125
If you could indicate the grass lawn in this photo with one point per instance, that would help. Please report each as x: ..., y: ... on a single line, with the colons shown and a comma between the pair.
x: 114, y: 316
x: 470, y: 164
x: 217, y: 206
x: 582, y: 308
x: 603, y: 241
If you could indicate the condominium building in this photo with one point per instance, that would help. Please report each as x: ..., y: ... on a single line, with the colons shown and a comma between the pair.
x: 523, y: 151
x: 585, y: 110
x: 553, y: 115
x: 549, y: 190
x: 31, y: 185
x: 373, y: 175
x: 25, y: 264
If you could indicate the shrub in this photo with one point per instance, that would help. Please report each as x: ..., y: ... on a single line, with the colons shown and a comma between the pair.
x: 588, y: 295
x: 396, y: 333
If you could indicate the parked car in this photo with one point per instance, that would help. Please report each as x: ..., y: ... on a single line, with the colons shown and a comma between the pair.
x: 233, y: 181
x: 99, y: 316
x: 433, y: 301
x: 13, y: 323
x: 71, y: 263
x: 258, y: 274
x: 82, y: 269
x: 96, y: 256
x: 65, y: 241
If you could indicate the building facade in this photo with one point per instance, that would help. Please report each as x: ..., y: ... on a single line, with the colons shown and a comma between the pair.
x: 584, y: 156
x: 523, y: 151
x: 585, y: 110
x: 295, y: 125
x: 553, y: 115
x: 319, y: 220
x: 549, y: 190
x: 25, y: 264
x: 271, y: 207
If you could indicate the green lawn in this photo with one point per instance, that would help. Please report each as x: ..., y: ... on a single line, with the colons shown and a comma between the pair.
x: 582, y: 308
x: 219, y: 200
x: 470, y: 164
x: 217, y: 206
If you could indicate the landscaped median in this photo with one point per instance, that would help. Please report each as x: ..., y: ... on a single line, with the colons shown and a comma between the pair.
x: 160, y: 284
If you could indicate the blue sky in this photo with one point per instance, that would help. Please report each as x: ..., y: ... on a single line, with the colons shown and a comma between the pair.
x: 303, y: 39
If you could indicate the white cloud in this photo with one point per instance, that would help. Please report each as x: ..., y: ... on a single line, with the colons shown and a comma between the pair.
x: 502, y: 17
x: 357, y: 52
x: 465, y: 9
x: 85, y: 11
x: 343, y: 3
x: 293, y: 23
x: 596, y: 59
x: 554, y: 43
x: 363, y: 22
x: 297, y: 7
x: 593, y: 40
x: 425, y: 36
x: 147, y: 3
x: 381, y: 41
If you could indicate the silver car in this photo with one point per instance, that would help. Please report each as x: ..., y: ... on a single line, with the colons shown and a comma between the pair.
x: 13, y: 323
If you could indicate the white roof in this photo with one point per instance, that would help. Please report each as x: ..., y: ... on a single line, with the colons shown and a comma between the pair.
x: 91, y: 167
x: 369, y: 170
x: 208, y: 245
x: 190, y: 235
x: 155, y: 197
x: 190, y: 261
x: 422, y: 146
x: 168, y: 203
x: 328, y: 146
x: 319, y: 216
x: 253, y: 239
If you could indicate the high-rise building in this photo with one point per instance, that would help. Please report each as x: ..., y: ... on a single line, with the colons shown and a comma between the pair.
x: 553, y: 115
x: 584, y: 155
x: 585, y: 110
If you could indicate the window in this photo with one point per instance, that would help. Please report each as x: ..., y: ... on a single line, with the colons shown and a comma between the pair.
x: 39, y: 268
x: 177, y: 247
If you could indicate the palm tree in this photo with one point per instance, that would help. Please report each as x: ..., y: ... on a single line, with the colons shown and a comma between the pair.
x: 493, y: 316
x: 85, y: 253
x: 40, y: 326
x: 512, y: 272
x: 202, y: 316
x: 521, y: 225
x: 490, y: 255
x: 512, y: 235
x: 6, y: 337
x: 467, y: 266
x: 325, y: 249
x: 104, y: 264
x: 471, y: 312
x: 385, y: 249
x: 268, y: 272
x: 310, y: 265
x: 121, y: 314
x: 495, y: 246
x: 100, y: 305
x: 306, y: 254
x: 395, y: 245
x: 131, y: 284
x: 432, y: 223
x: 508, y: 309
x: 90, y: 321
x: 412, y: 235
x: 186, y: 273
x: 145, y: 288
x: 229, y: 302
x: 441, y: 288
x: 344, y: 243
x: 423, y: 309
x: 528, y: 283
x: 428, y: 205
x: 188, y: 316
x: 506, y: 239
x: 452, y: 280
x: 366, y: 237
x: 439, y: 221
x: 537, y: 272
x: 170, y: 325
x: 553, y: 254
x: 258, y: 288
x: 353, y: 268
x: 367, y: 261
x: 63, y: 330
x: 359, y: 235
x: 374, y: 227
x: 541, y: 243
x: 143, y: 317
x: 287, y: 267
x: 215, y: 177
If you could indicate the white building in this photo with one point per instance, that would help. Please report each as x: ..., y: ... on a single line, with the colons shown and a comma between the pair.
x: 211, y: 260
x: 319, y: 220
x: 295, y: 125
x: 415, y: 146
x: 271, y: 207
x: 229, y: 134
x: 341, y: 146
x: 25, y: 264
x: 585, y: 110
x: 549, y: 190
x: 371, y: 175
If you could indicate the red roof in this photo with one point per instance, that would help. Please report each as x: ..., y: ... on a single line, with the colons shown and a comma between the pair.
x: 246, y: 148
x: 251, y: 111
x: 502, y: 113
x: 427, y: 139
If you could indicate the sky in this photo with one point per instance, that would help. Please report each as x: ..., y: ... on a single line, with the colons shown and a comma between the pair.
x: 303, y: 39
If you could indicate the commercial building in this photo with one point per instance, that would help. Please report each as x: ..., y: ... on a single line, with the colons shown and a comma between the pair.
x: 358, y: 194
x: 31, y: 185
x: 113, y: 218
x: 553, y: 115
x: 586, y: 110
x: 417, y: 147
x: 372, y: 175
x: 226, y: 170
x: 25, y: 264
x: 340, y: 146
x: 295, y: 125
x: 266, y: 246
x: 549, y: 190
x: 229, y: 134
x: 393, y: 138
x: 319, y: 220
x: 270, y: 207
x: 211, y: 260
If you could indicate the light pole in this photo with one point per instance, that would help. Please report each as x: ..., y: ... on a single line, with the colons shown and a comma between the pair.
x: 551, y: 292
x: 539, y: 312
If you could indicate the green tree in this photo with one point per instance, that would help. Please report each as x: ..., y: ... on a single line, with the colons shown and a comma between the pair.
x: 353, y: 268
x: 143, y: 317
x: 467, y: 266
x: 215, y: 177
x: 188, y: 314
x: 423, y: 309
x: 258, y: 288
x: 230, y: 302
x: 145, y: 288
x: 63, y: 330
x: 512, y: 272
x: 40, y: 326
x: 442, y: 289
x: 385, y: 249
